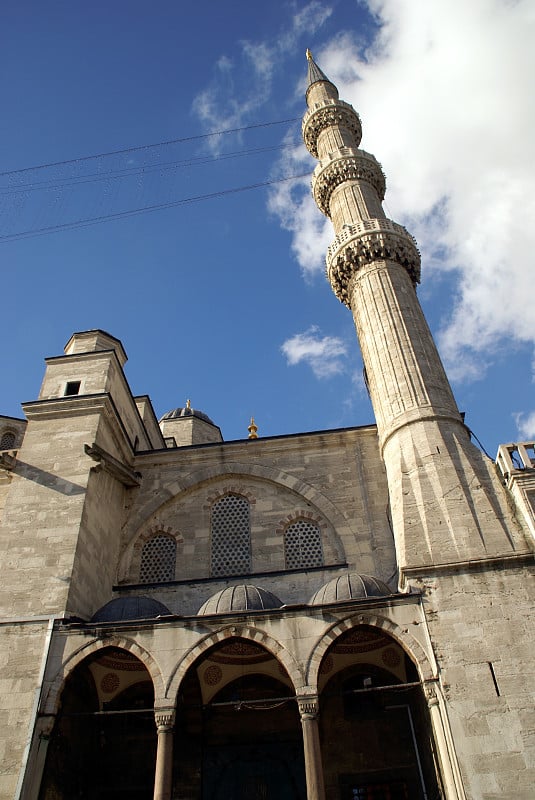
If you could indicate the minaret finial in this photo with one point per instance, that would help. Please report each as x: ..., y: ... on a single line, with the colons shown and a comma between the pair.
x: 309, y: 55
x: 253, y: 429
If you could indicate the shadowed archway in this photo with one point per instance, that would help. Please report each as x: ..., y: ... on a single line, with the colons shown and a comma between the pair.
x: 237, y: 732
x: 371, y: 699
x: 103, y: 744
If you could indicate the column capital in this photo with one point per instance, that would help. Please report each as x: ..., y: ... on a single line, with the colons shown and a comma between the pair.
x: 308, y: 706
x: 44, y: 725
x: 164, y: 718
x: 431, y: 693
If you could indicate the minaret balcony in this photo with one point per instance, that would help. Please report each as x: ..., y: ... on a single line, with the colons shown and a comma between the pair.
x: 346, y: 164
x: 327, y: 114
x: 365, y: 242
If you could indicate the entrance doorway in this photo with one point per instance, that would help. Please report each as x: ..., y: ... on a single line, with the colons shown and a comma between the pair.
x: 103, y: 745
x: 238, y: 733
x: 375, y: 731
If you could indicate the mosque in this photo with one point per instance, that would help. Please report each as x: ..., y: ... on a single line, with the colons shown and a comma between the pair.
x: 336, y: 615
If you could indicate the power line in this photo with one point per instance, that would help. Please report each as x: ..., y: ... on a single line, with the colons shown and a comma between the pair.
x: 127, y: 172
x: 144, y: 210
x: 150, y: 146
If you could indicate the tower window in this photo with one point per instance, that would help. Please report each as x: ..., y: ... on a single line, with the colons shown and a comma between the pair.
x: 7, y: 441
x: 302, y: 545
x: 231, y: 538
x: 158, y: 560
x: 71, y: 388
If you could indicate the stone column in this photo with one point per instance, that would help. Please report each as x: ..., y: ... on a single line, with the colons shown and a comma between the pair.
x: 451, y: 777
x: 308, y: 709
x: 163, y: 779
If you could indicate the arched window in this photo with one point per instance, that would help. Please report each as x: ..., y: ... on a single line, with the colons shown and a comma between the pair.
x: 231, y: 538
x: 302, y: 545
x: 7, y: 440
x: 158, y: 559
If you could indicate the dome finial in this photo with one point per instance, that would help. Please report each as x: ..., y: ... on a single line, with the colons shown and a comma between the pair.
x: 188, y: 404
x: 253, y: 429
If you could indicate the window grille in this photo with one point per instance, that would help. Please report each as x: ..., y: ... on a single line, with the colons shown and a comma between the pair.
x: 7, y: 441
x: 231, y: 537
x: 158, y: 560
x: 302, y: 545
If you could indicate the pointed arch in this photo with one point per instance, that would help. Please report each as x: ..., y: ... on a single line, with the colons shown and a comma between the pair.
x: 247, y: 632
x: 401, y: 635
x: 51, y: 703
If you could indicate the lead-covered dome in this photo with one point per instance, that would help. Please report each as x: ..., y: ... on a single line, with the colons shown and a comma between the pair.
x: 244, y: 597
x: 125, y: 608
x: 187, y: 411
x: 351, y: 586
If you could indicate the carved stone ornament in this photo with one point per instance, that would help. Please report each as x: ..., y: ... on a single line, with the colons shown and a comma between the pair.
x: 364, y: 243
x: 431, y: 694
x: 335, y: 113
x: 360, y: 167
x: 308, y: 707
x: 164, y: 718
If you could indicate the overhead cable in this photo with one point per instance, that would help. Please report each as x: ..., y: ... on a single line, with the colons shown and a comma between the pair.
x: 84, y: 223
x: 150, y: 146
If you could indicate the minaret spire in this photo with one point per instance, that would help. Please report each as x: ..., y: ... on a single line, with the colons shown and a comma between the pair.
x: 315, y: 74
x: 373, y: 266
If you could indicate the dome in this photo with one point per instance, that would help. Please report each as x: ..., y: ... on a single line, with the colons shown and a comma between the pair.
x: 187, y: 411
x: 124, y: 608
x: 244, y: 597
x: 350, y: 586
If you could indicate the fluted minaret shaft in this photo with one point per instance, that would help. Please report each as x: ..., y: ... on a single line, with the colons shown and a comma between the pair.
x: 373, y: 266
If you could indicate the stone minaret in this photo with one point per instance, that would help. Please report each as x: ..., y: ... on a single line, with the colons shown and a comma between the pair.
x: 447, y: 505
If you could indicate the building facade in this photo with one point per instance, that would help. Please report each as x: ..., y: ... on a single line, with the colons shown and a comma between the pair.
x: 341, y: 614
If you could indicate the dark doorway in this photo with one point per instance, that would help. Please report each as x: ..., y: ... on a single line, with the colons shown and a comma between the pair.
x: 245, y: 743
x: 103, y: 745
x: 375, y: 731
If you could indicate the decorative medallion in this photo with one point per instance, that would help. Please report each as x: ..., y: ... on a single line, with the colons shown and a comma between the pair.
x: 391, y: 657
x: 213, y: 675
x: 109, y: 683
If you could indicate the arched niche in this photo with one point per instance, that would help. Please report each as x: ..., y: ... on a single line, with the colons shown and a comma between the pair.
x: 103, y: 743
x: 371, y: 698
x: 237, y: 726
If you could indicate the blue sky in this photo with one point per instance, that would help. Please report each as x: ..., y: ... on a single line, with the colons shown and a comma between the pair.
x: 224, y: 300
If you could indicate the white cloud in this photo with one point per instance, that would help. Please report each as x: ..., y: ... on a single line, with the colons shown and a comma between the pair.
x: 526, y: 425
x: 220, y: 106
x: 446, y: 99
x: 324, y: 354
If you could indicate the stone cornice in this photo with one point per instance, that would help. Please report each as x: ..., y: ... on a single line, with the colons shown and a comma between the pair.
x: 353, y: 165
x: 507, y: 560
x: 329, y: 114
x: 106, y: 462
x: 366, y: 242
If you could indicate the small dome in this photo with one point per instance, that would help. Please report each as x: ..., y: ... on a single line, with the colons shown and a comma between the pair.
x: 244, y: 597
x: 124, y: 608
x: 350, y: 586
x: 178, y: 413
